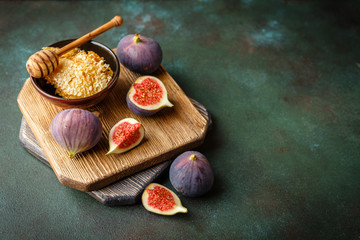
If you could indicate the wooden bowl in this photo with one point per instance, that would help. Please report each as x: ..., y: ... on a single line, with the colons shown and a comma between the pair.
x: 48, y: 91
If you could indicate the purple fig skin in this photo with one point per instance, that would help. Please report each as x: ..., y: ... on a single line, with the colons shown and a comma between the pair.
x: 139, y: 54
x: 76, y: 130
x: 191, y: 176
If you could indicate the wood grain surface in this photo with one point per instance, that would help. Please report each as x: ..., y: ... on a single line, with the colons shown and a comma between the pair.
x: 168, y: 133
x: 126, y: 191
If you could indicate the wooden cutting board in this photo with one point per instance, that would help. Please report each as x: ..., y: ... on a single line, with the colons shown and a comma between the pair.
x: 126, y: 191
x: 168, y: 133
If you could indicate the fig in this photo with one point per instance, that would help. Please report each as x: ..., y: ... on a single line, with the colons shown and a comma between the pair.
x: 125, y: 135
x: 161, y: 200
x: 191, y: 174
x: 76, y: 130
x: 147, y: 96
x: 139, y: 54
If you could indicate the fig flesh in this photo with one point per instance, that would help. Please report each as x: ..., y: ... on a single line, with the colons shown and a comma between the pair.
x: 76, y: 130
x: 191, y: 174
x: 125, y: 135
x: 147, y: 96
x: 161, y: 200
x: 139, y: 54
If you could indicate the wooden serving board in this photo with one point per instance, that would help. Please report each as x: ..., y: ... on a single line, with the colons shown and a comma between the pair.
x: 168, y: 133
x: 126, y: 191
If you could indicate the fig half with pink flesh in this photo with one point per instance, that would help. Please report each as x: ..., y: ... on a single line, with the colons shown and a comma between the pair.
x: 161, y: 200
x: 147, y: 96
x: 125, y: 135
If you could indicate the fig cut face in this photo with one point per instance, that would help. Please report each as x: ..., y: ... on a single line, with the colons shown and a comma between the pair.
x: 161, y: 200
x: 125, y: 135
x: 147, y: 96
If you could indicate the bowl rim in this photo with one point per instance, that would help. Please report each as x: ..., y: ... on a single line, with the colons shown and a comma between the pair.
x: 109, y: 86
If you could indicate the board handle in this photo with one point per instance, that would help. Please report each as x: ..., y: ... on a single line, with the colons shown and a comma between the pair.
x: 115, y: 22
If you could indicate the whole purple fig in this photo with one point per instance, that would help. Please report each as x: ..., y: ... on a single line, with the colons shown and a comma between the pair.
x: 139, y: 54
x: 191, y: 174
x: 76, y: 130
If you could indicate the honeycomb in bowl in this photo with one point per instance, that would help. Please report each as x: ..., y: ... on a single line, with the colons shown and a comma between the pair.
x: 79, y: 74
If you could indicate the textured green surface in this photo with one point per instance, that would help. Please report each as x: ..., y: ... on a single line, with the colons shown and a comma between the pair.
x: 281, y: 79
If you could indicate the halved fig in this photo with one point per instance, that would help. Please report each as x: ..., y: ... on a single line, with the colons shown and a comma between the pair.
x: 158, y: 199
x: 147, y: 96
x: 125, y: 135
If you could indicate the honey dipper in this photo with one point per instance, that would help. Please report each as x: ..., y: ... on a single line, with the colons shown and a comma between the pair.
x: 44, y: 62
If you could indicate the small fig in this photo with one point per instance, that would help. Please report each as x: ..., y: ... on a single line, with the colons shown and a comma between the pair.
x: 139, y: 54
x: 161, y: 200
x: 125, y: 135
x: 191, y: 174
x: 147, y: 96
x: 77, y: 130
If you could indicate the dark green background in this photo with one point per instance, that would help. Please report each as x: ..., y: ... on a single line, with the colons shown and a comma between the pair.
x: 282, y: 82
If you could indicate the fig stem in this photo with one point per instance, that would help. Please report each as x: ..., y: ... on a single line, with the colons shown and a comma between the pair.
x: 182, y: 209
x: 193, y: 157
x: 137, y: 38
x: 72, y: 154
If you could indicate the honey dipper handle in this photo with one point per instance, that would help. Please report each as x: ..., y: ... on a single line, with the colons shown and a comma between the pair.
x: 115, y: 22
